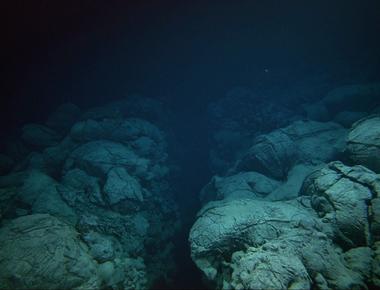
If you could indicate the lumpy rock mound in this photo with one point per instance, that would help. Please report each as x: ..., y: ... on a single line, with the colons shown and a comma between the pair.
x: 363, y: 142
x: 101, y: 181
x: 41, y: 252
x: 290, y: 215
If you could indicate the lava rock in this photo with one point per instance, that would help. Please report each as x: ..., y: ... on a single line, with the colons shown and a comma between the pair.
x: 33, y: 250
x: 97, y: 158
x: 276, y: 153
x: 252, y: 244
x: 363, y: 142
x: 120, y: 186
x: 340, y: 194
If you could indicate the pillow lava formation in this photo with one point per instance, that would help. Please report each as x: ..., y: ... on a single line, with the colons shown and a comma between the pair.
x: 88, y: 204
x: 287, y: 216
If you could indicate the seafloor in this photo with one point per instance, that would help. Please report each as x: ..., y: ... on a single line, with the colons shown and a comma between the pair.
x: 91, y: 199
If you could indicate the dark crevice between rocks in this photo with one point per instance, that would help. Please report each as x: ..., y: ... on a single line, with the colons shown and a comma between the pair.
x: 192, y: 158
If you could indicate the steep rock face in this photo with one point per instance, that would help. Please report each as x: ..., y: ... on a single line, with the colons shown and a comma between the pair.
x: 41, y: 252
x: 363, y: 142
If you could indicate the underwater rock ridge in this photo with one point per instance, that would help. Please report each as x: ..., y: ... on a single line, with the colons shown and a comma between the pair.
x: 290, y: 215
x: 90, y: 207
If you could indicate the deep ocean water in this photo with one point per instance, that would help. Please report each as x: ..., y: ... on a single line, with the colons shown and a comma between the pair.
x: 190, y: 145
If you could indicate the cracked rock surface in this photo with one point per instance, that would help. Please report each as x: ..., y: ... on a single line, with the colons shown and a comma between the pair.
x: 40, y: 252
x: 363, y: 142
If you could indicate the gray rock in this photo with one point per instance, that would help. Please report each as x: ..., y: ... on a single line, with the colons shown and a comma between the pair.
x: 39, y: 135
x: 33, y: 192
x: 120, y: 186
x: 33, y: 250
x: 112, y: 187
x: 267, y: 269
x: 359, y: 260
x: 363, y: 142
x: 136, y: 274
x: 291, y: 187
x: 145, y: 146
x: 241, y: 185
x: 276, y: 153
x: 101, y: 247
x: 317, y: 142
x: 128, y: 272
x: 341, y: 194
x: 252, y: 244
x: 272, y: 154
x: 97, y: 158
x: 55, y: 156
x: 52, y: 203
x: 376, y: 264
x: 79, y: 187
x: 40, y: 192
x: 110, y: 223
x: 257, y: 186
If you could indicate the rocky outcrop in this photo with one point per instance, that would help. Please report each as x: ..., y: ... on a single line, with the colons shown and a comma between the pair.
x: 363, y: 142
x: 252, y: 244
x: 41, y: 252
x: 104, y: 181
x: 342, y: 195
x: 288, y: 216
x: 276, y: 153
